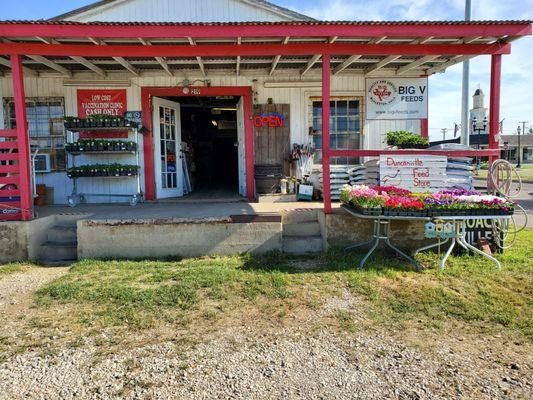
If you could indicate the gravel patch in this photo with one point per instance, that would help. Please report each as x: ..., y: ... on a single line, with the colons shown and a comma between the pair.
x: 18, y: 288
x: 286, y: 364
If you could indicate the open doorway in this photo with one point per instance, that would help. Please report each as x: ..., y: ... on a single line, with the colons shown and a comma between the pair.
x: 208, y: 127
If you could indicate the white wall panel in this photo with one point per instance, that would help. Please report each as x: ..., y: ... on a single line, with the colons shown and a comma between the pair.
x: 180, y: 11
x: 298, y: 98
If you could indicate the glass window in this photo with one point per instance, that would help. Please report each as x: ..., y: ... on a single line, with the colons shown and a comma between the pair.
x: 45, y: 124
x: 345, y: 128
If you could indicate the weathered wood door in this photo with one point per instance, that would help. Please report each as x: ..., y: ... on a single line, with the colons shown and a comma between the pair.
x: 272, y: 137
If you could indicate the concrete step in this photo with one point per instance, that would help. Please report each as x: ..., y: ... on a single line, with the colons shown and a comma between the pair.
x: 59, y: 250
x: 57, y: 263
x: 62, y: 233
x: 301, y: 229
x: 298, y: 216
x: 302, y: 244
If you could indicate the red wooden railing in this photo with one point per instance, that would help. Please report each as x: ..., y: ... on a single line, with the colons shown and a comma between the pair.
x: 10, y: 207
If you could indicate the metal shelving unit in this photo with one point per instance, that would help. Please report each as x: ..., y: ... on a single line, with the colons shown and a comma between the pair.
x: 76, y: 197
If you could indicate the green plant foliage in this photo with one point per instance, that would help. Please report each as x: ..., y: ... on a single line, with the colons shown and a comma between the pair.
x: 406, y: 140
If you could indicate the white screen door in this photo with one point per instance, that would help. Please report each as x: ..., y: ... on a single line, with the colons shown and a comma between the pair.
x: 167, y: 148
x: 240, y: 148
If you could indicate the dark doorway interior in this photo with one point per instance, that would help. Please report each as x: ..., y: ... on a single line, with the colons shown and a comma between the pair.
x: 209, y: 141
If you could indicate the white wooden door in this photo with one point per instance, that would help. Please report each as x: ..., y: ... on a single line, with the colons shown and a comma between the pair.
x: 167, y: 148
x: 240, y: 148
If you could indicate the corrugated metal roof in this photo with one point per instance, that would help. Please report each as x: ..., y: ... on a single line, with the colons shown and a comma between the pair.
x: 263, y: 23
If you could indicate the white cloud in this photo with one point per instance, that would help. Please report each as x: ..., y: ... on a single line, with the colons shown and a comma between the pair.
x: 445, y: 89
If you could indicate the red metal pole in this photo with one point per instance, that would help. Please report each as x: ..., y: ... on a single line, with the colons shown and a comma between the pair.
x: 148, y: 149
x: 494, y: 110
x: 326, y: 92
x: 249, y: 146
x: 424, y: 130
x: 25, y: 186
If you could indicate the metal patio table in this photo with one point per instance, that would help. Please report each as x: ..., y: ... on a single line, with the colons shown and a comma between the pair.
x: 381, y: 232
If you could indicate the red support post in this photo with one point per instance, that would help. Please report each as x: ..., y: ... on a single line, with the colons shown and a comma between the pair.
x: 25, y: 186
x: 148, y: 143
x: 424, y: 128
x: 494, y: 106
x: 249, y: 146
x: 326, y: 93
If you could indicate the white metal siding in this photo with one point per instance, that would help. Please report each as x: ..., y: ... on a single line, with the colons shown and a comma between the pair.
x: 298, y: 98
x: 179, y: 11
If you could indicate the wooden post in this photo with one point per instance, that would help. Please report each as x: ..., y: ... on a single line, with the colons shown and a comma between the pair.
x: 494, y: 106
x: 25, y: 185
x: 326, y: 92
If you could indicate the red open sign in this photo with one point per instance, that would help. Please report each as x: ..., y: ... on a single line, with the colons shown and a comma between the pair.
x: 272, y: 120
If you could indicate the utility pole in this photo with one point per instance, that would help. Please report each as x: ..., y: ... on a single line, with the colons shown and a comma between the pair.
x: 519, y: 150
x: 465, y: 138
x: 444, y: 130
x: 523, y: 126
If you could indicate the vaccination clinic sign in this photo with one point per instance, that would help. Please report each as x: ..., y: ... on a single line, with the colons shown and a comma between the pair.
x: 396, y: 98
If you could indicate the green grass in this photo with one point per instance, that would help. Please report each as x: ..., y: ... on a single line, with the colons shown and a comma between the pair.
x: 204, y: 292
x: 525, y: 172
x: 12, y: 268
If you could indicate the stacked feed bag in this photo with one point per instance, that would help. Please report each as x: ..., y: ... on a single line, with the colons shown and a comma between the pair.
x: 356, y: 175
x: 338, y: 175
x: 372, y: 172
x: 459, y: 173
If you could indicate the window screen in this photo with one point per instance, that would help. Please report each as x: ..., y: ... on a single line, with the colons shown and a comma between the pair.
x: 45, y: 123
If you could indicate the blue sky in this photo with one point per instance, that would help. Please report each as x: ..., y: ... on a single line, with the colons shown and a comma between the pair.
x: 445, y: 89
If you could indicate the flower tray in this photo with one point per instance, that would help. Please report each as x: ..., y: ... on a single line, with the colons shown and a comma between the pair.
x: 405, y: 213
x: 97, y: 123
x: 99, y: 174
x: 365, y: 210
x: 370, y: 211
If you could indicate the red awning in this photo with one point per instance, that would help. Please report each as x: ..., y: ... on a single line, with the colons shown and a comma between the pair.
x: 407, y: 47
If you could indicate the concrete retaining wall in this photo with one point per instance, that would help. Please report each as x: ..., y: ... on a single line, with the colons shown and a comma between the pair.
x: 13, y: 241
x: 342, y: 229
x: 149, y: 238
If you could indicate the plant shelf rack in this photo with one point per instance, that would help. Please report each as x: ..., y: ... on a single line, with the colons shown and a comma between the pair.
x: 76, y: 197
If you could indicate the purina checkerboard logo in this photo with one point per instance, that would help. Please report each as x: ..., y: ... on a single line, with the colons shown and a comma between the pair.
x: 383, y: 92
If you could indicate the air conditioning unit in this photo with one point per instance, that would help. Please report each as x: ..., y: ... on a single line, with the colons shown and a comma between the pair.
x: 42, y: 163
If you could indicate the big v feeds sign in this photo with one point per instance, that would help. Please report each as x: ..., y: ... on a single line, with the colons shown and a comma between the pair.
x: 396, y: 98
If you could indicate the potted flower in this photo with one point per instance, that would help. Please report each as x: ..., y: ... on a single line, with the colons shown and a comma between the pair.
x: 366, y: 200
x: 69, y: 122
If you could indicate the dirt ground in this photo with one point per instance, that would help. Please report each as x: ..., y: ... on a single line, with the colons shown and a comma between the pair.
x: 299, y: 356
